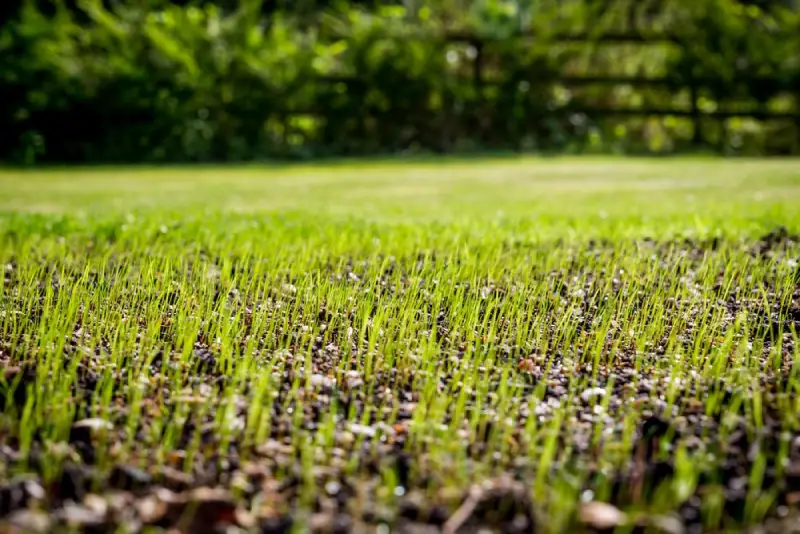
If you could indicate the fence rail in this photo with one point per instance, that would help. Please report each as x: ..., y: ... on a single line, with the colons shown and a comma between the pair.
x: 633, y: 81
x: 569, y: 37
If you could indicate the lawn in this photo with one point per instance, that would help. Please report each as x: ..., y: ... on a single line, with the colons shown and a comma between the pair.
x: 509, y: 345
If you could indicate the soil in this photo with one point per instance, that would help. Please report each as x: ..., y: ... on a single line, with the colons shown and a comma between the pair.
x: 259, y: 486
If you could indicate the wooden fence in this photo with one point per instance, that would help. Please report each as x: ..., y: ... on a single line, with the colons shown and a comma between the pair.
x: 693, y: 85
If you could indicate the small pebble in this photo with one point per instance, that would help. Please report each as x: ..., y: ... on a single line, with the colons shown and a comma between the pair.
x: 590, y: 393
x: 601, y: 515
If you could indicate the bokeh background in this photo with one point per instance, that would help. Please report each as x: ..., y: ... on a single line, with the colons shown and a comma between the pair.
x: 105, y: 81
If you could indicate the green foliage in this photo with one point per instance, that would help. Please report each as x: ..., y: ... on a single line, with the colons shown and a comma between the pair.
x: 229, y: 81
x: 746, y: 43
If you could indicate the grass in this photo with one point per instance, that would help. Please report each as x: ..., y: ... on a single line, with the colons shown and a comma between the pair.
x: 573, y: 344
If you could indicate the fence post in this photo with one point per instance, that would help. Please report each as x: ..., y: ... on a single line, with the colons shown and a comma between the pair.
x: 477, y: 82
x: 477, y: 67
x: 697, y: 134
x: 796, y: 147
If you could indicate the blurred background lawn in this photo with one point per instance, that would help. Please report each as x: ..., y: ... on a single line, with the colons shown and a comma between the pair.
x: 638, y: 195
